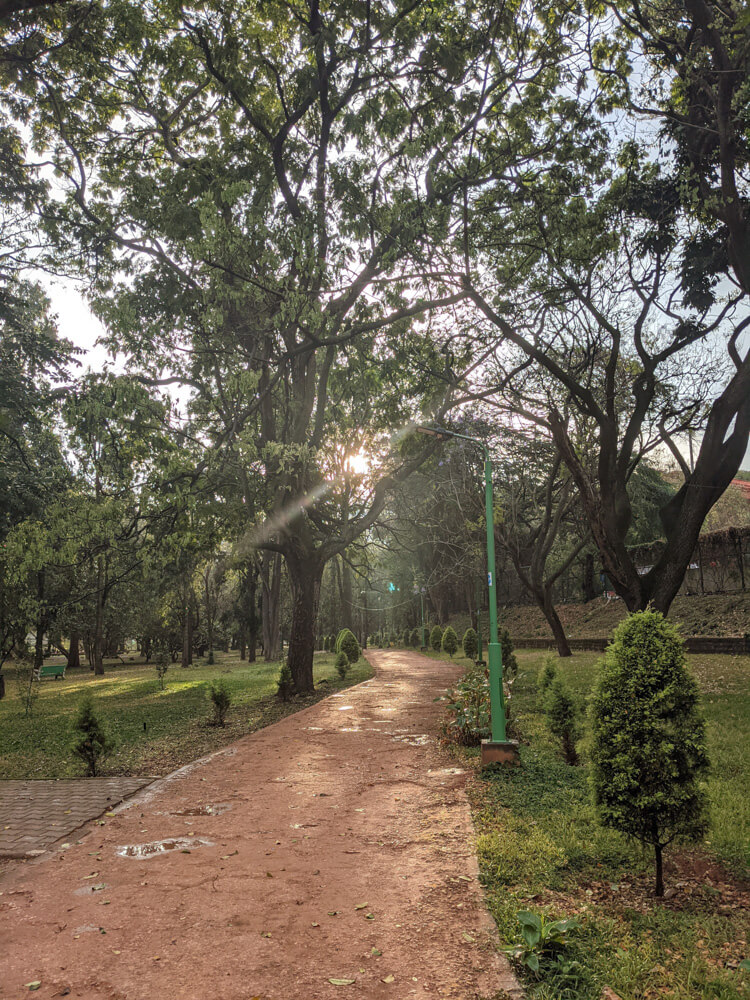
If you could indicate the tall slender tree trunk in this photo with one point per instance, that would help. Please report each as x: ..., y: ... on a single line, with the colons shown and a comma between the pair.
x: 589, y: 593
x: 97, y: 643
x: 74, y: 651
x: 305, y: 576
x: 185, y: 657
x: 271, y: 608
x: 659, y: 890
x: 191, y: 619
x: 41, y: 622
x: 252, y: 620
x: 553, y: 619
x: 347, y: 606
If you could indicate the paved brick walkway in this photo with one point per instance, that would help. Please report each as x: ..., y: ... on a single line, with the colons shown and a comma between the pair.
x: 34, y: 814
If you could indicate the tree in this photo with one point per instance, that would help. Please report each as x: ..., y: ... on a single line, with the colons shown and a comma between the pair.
x: 648, y: 750
x: 295, y: 158
x: 538, y: 527
x: 470, y: 644
x: 342, y: 664
x: 436, y: 638
x: 646, y: 266
x: 93, y: 743
x: 449, y: 642
x: 561, y: 712
x: 347, y: 643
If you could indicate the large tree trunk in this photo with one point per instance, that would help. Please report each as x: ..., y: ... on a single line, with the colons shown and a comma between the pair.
x: 347, y: 608
x: 589, y: 592
x: 41, y: 623
x: 271, y: 607
x: 97, y: 641
x: 74, y: 652
x: 553, y: 619
x: 305, y: 575
x: 185, y: 657
x: 252, y: 621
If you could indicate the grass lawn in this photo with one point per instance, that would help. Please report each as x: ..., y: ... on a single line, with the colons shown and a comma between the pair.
x: 540, y: 849
x: 154, y: 731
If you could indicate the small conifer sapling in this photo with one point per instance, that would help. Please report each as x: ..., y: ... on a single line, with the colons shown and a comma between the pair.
x: 648, y: 748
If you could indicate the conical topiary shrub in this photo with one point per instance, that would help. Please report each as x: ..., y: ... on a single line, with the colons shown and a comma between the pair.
x: 450, y: 641
x: 648, y: 749
x: 470, y: 644
x: 436, y: 638
x: 347, y: 643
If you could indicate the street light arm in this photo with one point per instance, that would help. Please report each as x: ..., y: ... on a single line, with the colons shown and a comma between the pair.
x: 441, y: 433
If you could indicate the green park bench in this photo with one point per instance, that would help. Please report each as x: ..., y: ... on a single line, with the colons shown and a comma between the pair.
x: 51, y: 670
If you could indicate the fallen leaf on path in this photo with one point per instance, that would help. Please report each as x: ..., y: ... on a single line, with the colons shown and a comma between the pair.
x: 388, y: 979
x: 35, y: 985
x: 361, y: 906
x: 369, y: 916
x: 468, y: 937
x: 92, y: 875
x: 342, y: 982
x: 376, y: 951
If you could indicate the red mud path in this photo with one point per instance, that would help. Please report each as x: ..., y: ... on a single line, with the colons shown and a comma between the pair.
x: 345, y: 853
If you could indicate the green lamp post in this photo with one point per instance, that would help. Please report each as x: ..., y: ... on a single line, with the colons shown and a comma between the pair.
x: 498, y: 749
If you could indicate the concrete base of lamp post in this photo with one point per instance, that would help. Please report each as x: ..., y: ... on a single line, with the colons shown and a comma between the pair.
x: 505, y: 752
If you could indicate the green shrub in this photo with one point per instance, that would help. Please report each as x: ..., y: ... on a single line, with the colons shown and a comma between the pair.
x: 92, y: 745
x: 347, y: 643
x: 284, y: 684
x: 541, y: 938
x: 436, y: 638
x: 342, y: 664
x: 161, y: 665
x: 221, y: 699
x: 450, y: 641
x: 562, y: 718
x: 546, y: 676
x: 470, y: 644
x: 648, y: 749
x: 469, y: 704
x: 416, y: 638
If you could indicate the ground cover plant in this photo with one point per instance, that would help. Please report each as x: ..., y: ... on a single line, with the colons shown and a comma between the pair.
x: 542, y: 851
x: 153, y: 730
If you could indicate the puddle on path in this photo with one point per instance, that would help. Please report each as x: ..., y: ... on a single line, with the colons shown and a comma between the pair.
x: 212, y: 810
x: 161, y: 847
x: 414, y: 739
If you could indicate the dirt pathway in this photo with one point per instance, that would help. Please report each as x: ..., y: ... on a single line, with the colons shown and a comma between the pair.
x: 333, y: 845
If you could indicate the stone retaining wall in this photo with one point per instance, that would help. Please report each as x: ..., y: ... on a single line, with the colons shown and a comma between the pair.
x: 734, y: 645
